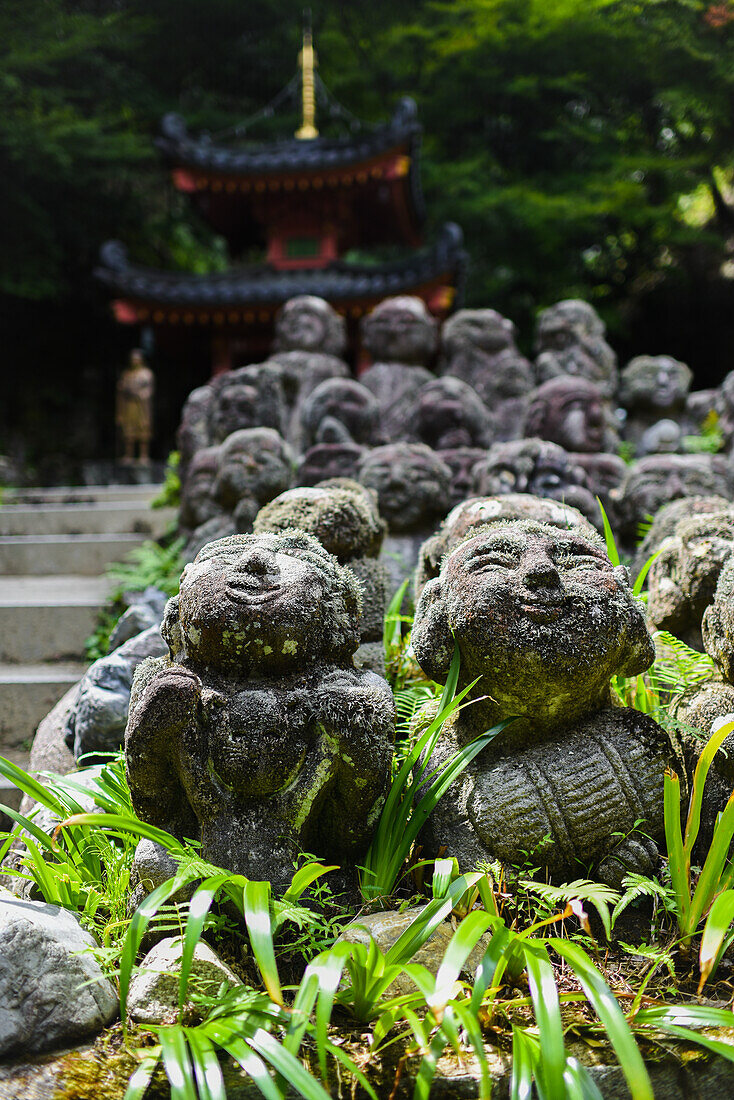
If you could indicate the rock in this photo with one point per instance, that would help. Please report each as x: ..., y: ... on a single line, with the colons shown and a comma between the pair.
x: 52, y: 990
x: 153, y: 992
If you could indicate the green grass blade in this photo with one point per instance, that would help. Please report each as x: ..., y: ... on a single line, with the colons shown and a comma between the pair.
x: 427, y: 1070
x: 141, y: 1078
x: 251, y: 1063
x: 607, y: 1009
x: 462, y: 943
x: 30, y: 786
x: 289, y: 1068
x: 678, y: 863
x: 127, y: 823
x: 547, y: 1009
x: 260, y: 931
x: 705, y: 760
x: 688, y: 1035
x: 207, y: 1071
x: 199, y: 907
x: 640, y: 578
x: 612, y: 552
x: 523, y: 1058
x: 443, y: 872
x: 689, y: 1015
x: 141, y: 918
x: 469, y: 1022
x: 422, y: 926
x: 176, y: 1060
x: 493, y: 963
x: 709, y: 882
x: 717, y: 926
x: 303, y: 878
x: 579, y: 1082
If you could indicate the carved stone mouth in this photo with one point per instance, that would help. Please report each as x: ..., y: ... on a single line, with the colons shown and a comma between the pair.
x: 543, y: 611
x: 243, y: 593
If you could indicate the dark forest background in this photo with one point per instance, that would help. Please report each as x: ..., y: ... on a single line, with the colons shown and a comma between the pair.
x: 585, y: 147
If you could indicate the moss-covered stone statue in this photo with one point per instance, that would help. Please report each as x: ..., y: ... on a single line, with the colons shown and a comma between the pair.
x: 544, y: 620
x: 257, y: 734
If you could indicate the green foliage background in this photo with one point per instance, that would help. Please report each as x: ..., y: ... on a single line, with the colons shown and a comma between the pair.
x: 585, y: 147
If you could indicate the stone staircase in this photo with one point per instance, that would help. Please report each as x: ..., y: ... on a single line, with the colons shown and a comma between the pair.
x: 54, y: 547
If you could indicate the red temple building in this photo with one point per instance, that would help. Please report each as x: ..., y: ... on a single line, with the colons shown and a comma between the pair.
x: 304, y: 201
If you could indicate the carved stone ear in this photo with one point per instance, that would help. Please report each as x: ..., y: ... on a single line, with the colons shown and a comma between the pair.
x: 171, y: 629
x: 433, y: 642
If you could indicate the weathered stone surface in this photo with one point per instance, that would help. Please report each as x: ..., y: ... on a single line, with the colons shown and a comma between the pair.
x: 448, y: 413
x: 480, y: 512
x: 478, y: 346
x: 400, y: 330
x: 198, y: 503
x: 308, y: 323
x: 683, y: 578
x: 462, y: 462
x: 572, y: 412
x: 396, y: 387
x: 325, y: 461
x: 250, y: 397
x: 386, y: 928
x: 52, y: 990
x: 539, y: 468
x: 339, y: 410
x: 652, y: 388
x: 654, y: 481
x: 255, y: 464
x: 718, y: 623
x: 666, y: 520
x: 153, y: 993
x: 544, y: 619
x: 411, y: 482
x: 345, y: 520
x: 258, y: 734
x: 570, y: 340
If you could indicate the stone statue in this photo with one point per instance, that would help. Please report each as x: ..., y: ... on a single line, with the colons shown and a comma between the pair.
x: 462, y: 462
x: 667, y: 519
x: 339, y: 410
x: 482, y: 512
x: 412, y: 485
x: 573, y: 413
x: 478, y: 346
x: 328, y: 460
x: 683, y: 578
x: 570, y: 340
x: 652, y: 388
x: 193, y: 430
x: 400, y: 335
x: 257, y: 735
x: 249, y: 397
x: 255, y: 464
x: 134, y: 411
x: 310, y: 324
x: 198, y: 500
x: 448, y: 413
x: 540, y: 468
x: 658, y: 479
x: 544, y: 619
x: 343, y: 516
x: 604, y: 474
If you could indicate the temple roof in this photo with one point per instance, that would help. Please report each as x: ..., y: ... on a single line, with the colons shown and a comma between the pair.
x: 367, y: 182
x: 290, y: 154
x: 144, y: 290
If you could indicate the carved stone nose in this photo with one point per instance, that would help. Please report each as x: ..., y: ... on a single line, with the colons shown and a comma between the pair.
x: 540, y: 572
x: 257, y: 561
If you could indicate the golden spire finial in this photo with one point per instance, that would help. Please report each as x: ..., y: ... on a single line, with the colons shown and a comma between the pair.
x: 307, y: 62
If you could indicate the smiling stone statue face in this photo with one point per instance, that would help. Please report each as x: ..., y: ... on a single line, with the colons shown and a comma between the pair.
x: 540, y: 614
x: 253, y: 602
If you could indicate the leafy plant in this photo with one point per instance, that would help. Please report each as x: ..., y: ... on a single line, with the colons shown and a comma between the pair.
x: 170, y: 491
x: 712, y: 898
x: 415, y: 791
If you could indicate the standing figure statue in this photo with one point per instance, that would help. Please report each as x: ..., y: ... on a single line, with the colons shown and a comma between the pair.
x: 134, y: 408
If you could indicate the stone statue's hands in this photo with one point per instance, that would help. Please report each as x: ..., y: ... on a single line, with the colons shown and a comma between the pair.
x: 171, y: 699
x: 349, y: 700
x: 637, y: 854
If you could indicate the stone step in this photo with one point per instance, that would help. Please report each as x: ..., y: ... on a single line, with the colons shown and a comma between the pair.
x: 41, y: 555
x: 90, y: 518
x: 80, y: 494
x: 48, y: 618
x: 27, y: 694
